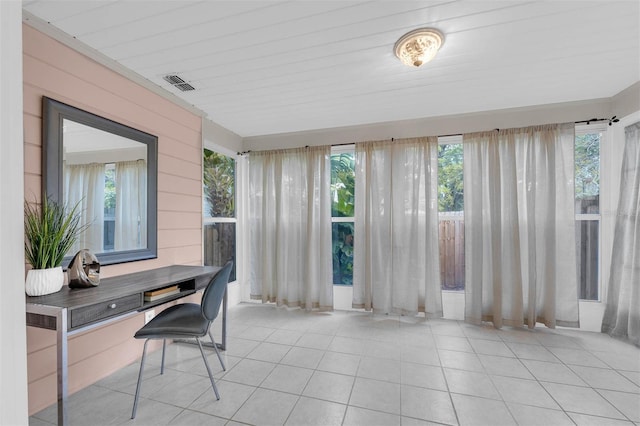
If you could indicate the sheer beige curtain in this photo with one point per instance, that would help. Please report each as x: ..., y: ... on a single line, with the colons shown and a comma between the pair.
x: 622, y: 313
x: 519, y: 227
x: 290, y: 227
x: 396, y: 261
x: 84, y: 184
x: 131, y: 205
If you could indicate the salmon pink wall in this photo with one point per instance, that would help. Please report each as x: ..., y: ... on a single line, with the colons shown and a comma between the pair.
x: 54, y: 70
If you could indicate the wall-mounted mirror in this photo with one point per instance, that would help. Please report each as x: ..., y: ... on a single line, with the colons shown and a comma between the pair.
x: 110, y: 170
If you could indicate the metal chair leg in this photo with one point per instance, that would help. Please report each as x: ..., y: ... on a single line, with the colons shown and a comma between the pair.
x: 135, y: 401
x: 217, y: 352
x: 164, y: 346
x: 206, y: 363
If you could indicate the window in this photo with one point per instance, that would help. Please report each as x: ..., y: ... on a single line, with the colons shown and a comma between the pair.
x: 451, y: 213
x: 109, y: 206
x: 587, y: 209
x: 343, y: 178
x: 219, y: 210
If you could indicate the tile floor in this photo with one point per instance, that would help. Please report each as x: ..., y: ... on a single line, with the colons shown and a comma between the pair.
x: 349, y: 368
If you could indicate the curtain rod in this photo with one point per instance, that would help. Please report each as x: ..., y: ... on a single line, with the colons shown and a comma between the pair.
x: 611, y: 120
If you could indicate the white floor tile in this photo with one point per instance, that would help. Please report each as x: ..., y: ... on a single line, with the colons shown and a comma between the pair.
x: 232, y: 396
x: 605, y: 378
x: 270, y: 352
x: 355, y: 368
x: 627, y: 403
x: 286, y: 378
x: 266, y: 407
x: 284, y: 337
x: 452, y: 343
x: 347, y: 345
x: 532, y: 351
x: 256, y: 333
x: 420, y: 355
x: 379, y: 369
x: 491, y: 347
x: 329, y: 386
x: 581, y: 400
x: 376, y: 395
x: 194, y: 418
x: 315, y: 341
x: 460, y: 360
x: 315, y: 412
x: 475, y: 411
x: 427, y: 404
x: 470, y: 383
x: 303, y: 357
x: 249, y: 372
x: 425, y: 376
x: 620, y: 360
x: 553, y: 372
x: 527, y: 415
x: 528, y: 392
x: 503, y: 366
x: 587, y: 420
x: 357, y: 416
x: 336, y: 362
x: 577, y: 357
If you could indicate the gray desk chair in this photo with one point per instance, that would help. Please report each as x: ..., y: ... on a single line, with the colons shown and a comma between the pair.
x: 185, y: 321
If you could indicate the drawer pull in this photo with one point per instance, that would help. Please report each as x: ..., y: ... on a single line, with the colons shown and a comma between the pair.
x: 112, y: 306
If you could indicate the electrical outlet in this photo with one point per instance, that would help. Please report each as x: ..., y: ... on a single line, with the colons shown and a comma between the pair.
x: 148, y: 315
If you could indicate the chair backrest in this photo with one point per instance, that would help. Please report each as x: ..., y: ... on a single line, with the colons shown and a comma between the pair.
x: 212, y: 296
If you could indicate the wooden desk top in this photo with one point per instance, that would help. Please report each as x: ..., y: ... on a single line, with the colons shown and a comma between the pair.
x: 122, y: 293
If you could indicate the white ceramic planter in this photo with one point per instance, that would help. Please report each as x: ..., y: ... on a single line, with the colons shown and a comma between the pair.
x: 44, y: 281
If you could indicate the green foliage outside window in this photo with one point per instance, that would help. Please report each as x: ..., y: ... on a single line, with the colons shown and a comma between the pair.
x: 219, y: 184
x: 342, y: 236
x: 109, y: 191
x: 587, y: 172
x: 343, y: 182
x: 450, y: 178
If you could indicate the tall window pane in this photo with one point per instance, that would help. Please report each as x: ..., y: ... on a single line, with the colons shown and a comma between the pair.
x: 342, y: 235
x: 219, y: 210
x: 451, y: 208
x: 587, y: 243
x: 343, y: 178
x: 587, y: 208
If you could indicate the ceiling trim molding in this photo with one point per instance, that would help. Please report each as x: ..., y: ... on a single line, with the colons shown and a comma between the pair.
x: 75, y: 44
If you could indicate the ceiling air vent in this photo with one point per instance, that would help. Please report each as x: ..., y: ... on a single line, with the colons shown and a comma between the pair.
x: 178, y: 82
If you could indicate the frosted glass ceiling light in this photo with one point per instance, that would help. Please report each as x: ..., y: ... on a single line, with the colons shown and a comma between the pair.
x: 418, y: 46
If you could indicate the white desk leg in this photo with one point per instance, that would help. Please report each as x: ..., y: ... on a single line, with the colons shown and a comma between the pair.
x: 61, y: 328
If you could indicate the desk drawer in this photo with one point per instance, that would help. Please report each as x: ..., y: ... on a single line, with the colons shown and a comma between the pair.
x: 101, y: 311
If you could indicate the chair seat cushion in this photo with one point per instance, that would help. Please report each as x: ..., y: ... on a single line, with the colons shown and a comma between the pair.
x: 179, y: 321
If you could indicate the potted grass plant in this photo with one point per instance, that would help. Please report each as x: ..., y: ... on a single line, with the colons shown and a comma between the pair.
x: 51, y: 229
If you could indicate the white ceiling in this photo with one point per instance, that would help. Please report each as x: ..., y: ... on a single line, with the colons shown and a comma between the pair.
x: 265, y: 67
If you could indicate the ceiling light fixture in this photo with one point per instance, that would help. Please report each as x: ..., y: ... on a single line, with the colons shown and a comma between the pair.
x: 418, y: 46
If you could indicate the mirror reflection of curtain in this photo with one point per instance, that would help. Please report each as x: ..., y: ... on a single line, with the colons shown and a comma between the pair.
x: 131, y: 190
x: 84, y: 184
